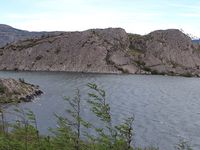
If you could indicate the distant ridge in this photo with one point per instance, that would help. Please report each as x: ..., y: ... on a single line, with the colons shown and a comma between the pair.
x: 196, y: 41
x: 9, y: 34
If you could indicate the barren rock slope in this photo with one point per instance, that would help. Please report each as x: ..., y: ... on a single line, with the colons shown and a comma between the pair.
x: 89, y: 51
x: 166, y: 51
x: 109, y: 50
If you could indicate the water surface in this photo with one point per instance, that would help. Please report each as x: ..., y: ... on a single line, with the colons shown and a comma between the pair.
x: 166, y: 108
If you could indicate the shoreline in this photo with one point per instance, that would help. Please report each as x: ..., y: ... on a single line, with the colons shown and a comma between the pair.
x: 104, y: 73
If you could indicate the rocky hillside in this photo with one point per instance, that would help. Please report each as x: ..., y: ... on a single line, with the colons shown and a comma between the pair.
x: 9, y: 34
x: 12, y: 90
x: 89, y: 51
x: 166, y: 51
x: 109, y: 50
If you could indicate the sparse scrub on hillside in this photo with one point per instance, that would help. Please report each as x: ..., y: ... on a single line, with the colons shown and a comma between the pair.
x: 2, y: 89
x: 187, y: 74
x: 135, y: 52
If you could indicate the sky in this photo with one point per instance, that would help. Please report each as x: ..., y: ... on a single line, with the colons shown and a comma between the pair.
x: 135, y: 16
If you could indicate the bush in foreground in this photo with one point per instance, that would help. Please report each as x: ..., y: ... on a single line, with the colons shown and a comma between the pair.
x: 72, y: 131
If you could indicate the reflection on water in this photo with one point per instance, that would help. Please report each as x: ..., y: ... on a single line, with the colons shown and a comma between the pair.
x: 166, y: 109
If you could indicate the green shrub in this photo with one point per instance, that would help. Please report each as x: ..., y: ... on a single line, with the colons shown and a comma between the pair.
x: 24, y: 134
x: 187, y: 74
x: 147, y: 69
x: 2, y: 89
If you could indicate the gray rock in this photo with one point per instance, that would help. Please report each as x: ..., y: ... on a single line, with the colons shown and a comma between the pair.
x: 12, y: 90
x: 167, y: 51
x: 109, y: 50
x: 88, y: 51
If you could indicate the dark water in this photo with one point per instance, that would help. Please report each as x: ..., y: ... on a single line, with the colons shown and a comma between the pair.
x: 166, y: 108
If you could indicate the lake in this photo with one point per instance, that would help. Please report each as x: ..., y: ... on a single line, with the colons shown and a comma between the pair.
x: 166, y: 108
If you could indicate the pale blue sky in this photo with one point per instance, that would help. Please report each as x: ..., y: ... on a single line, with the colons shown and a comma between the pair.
x: 135, y: 16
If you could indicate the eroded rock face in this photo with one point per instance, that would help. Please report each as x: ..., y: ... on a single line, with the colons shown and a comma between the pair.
x: 166, y: 51
x: 12, y: 90
x: 89, y: 51
x: 109, y: 50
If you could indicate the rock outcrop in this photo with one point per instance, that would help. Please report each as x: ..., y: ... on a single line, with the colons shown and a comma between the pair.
x: 16, y: 91
x: 167, y: 52
x: 96, y: 50
x: 109, y: 50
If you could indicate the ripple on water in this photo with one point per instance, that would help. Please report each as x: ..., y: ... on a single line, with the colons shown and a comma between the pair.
x: 165, y: 108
